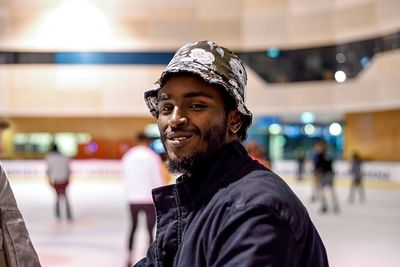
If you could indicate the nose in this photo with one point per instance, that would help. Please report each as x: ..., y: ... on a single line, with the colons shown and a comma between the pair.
x: 177, y: 119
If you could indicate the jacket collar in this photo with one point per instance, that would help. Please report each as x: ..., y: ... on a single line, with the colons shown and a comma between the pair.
x: 212, y: 173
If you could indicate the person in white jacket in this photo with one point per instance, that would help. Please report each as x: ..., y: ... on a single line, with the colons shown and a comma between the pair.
x: 141, y: 170
x: 58, y: 173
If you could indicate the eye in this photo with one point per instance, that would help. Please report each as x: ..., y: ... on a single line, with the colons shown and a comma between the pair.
x: 197, y: 106
x: 165, y: 108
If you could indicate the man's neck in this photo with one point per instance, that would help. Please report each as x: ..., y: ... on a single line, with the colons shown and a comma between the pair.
x: 201, y: 163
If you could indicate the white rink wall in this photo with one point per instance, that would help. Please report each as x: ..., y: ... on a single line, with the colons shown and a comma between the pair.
x: 105, y: 169
x: 372, y: 170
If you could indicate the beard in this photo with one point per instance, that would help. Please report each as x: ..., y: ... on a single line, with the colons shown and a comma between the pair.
x: 215, y: 137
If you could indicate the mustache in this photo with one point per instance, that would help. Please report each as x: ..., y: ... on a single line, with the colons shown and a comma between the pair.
x: 179, y: 131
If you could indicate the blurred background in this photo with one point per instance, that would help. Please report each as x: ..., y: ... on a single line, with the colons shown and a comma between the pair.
x: 73, y: 72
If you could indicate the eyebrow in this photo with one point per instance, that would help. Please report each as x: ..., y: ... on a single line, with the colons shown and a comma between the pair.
x: 164, y: 96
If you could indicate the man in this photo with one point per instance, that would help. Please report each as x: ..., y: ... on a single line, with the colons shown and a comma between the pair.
x: 357, y: 178
x: 16, y: 248
x: 141, y: 170
x: 225, y: 209
x: 324, y: 176
x: 58, y: 173
x: 301, y: 160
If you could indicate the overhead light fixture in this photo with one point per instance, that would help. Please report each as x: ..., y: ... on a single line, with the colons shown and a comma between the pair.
x: 309, y: 129
x: 74, y: 24
x: 273, y: 52
x: 365, y: 61
x: 307, y: 117
x: 275, y: 128
x: 335, y: 129
x: 340, y: 57
x: 340, y: 76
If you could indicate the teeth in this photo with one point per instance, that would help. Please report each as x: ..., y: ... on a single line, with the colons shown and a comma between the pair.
x: 179, y: 138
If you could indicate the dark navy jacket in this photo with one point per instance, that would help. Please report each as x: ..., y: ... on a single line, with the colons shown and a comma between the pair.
x: 232, y: 212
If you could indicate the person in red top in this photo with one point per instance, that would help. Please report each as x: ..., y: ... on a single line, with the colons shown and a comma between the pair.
x: 257, y: 152
x: 59, y: 174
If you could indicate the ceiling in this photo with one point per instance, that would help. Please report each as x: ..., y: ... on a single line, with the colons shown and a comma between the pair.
x: 115, y: 25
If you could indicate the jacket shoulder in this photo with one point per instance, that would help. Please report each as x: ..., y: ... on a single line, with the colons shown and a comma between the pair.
x: 263, y: 188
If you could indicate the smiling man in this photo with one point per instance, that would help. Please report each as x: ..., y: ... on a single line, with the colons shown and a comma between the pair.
x: 225, y: 208
x: 184, y: 98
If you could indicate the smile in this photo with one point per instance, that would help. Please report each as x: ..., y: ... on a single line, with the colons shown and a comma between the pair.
x: 178, y: 140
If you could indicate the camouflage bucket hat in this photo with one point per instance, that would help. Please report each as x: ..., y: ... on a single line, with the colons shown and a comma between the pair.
x: 215, y: 65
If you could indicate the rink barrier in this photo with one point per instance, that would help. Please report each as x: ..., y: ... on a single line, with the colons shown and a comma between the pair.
x: 375, y: 173
x: 80, y: 169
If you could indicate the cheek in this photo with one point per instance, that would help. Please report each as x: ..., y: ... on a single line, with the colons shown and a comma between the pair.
x: 210, y: 122
x: 162, y: 124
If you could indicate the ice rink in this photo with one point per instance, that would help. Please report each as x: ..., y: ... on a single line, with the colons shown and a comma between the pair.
x: 362, y: 234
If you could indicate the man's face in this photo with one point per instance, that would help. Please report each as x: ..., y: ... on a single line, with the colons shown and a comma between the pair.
x: 192, y: 119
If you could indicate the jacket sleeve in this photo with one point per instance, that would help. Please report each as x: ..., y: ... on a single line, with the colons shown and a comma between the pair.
x: 15, y: 237
x: 253, y: 236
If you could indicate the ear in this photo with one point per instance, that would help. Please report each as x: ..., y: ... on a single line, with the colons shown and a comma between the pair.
x: 235, y: 121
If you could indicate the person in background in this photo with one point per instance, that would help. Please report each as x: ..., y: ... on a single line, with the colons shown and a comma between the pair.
x: 301, y: 159
x: 59, y: 174
x: 4, y: 124
x: 225, y: 208
x: 324, y: 176
x: 319, y: 148
x: 357, y: 181
x: 257, y: 152
x: 167, y: 175
x: 141, y: 171
x: 16, y: 247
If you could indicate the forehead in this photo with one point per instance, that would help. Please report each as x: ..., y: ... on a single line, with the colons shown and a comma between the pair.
x: 188, y: 85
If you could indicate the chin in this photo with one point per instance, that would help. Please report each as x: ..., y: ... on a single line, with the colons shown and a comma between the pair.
x: 184, y: 152
x: 188, y: 152
x: 177, y: 156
